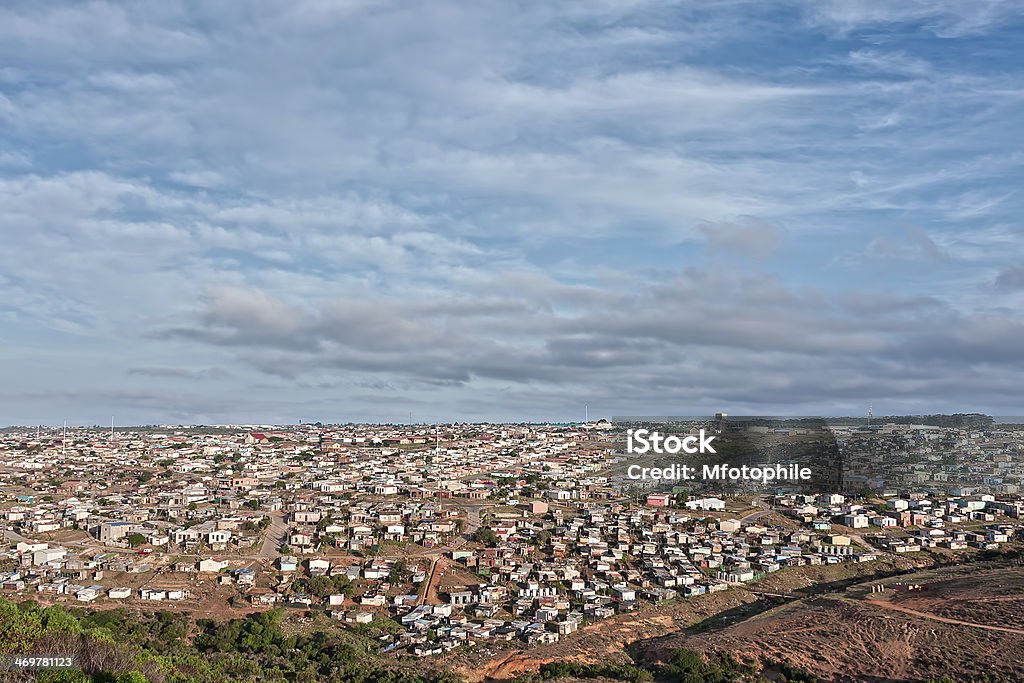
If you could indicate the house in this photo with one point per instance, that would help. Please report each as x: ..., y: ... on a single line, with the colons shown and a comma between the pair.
x: 706, y: 504
x: 217, y: 538
x: 263, y: 596
x: 185, y: 536
x: 300, y: 539
x: 622, y: 593
x: 110, y: 532
x: 245, y: 577
x: 210, y: 565
x: 730, y: 526
x: 541, y: 637
x: 538, y: 507
x: 48, y: 556
x: 736, y: 575
x: 319, y: 566
x: 88, y: 594
x: 855, y: 521
x: 564, y: 628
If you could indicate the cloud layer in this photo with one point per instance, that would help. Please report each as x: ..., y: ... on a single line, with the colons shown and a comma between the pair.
x: 349, y: 210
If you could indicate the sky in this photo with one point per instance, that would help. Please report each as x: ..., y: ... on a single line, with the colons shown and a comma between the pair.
x: 386, y: 211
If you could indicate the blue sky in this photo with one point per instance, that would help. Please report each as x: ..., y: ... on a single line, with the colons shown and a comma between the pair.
x: 355, y: 210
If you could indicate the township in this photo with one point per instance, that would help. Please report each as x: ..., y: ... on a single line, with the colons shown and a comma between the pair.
x: 448, y: 536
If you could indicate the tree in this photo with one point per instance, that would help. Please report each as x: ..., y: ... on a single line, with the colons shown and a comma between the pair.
x: 131, y: 677
x: 486, y: 536
x: 135, y: 540
x: 398, y: 571
x: 62, y: 676
x: 320, y: 586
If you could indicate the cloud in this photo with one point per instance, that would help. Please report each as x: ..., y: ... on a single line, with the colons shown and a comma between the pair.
x: 749, y: 327
x: 749, y: 237
x: 943, y: 18
x: 181, y: 373
x: 912, y: 244
x: 497, y: 208
x: 1010, y: 278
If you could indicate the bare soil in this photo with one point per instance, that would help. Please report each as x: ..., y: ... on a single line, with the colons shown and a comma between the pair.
x: 946, y: 628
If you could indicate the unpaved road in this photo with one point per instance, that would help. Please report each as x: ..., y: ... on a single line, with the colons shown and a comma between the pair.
x: 274, y: 536
x: 429, y: 596
x: 884, y: 604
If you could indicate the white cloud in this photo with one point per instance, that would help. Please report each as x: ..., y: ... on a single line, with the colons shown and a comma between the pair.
x: 486, y: 190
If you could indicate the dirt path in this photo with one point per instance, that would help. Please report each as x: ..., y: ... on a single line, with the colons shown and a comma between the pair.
x: 274, y: 536
x: 945, y: 620
x: 756, y: 514
x: 430, y: 595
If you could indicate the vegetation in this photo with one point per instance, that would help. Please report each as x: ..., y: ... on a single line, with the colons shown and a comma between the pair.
x: 486, y: 536
x: 790, y: 674
x: 619, y: 672
x: 135, y: 540
x: 322, y: 586
x: 687, y: 666
x: 399, y: 571
x: 684, y: 666
x: 125, y: 646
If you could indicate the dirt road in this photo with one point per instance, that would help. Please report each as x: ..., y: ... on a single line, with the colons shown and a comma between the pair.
x: 885, y: 604
x: 274, y: 536
x: 429, y: 596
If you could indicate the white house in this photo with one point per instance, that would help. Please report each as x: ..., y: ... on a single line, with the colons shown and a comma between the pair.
x: 319, y: 566
x: 211, y: 565
x: 706, y: 504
